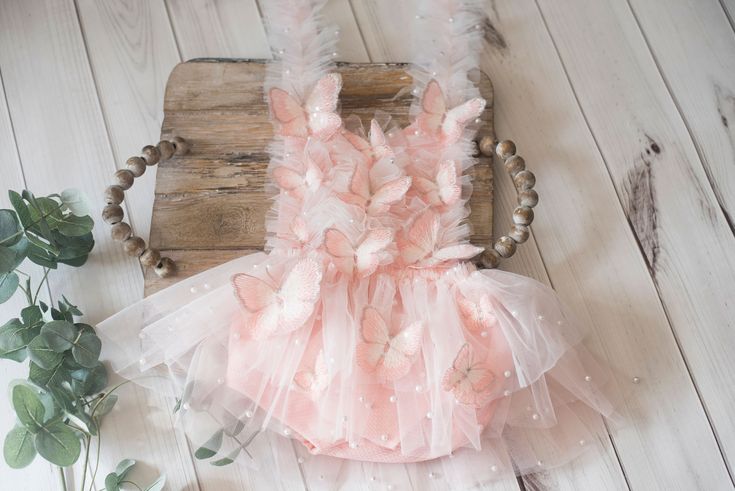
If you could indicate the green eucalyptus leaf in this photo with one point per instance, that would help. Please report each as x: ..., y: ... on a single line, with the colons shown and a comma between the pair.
x: 88, y: 381
x: 8, y: 285
x: 158, y: 484
x: 86, y: 349
x: 41, y: 257
x: 7, y: 259
x: 105, y: 406
x: 62, y: 399
x: 72, y: 225
x: 14, y: 338
x: 58, y: 444
x: 210, y: 447
x: 28, y: 407
x: 43, y: 245
x: 112, y: 482
x: 42, y: 210
x: 229, y: 459
x: 10, y: 229
x: 20, y: 249
x: 76, y: 201
x: 53, y: 377
x: 18, y: 449
x: 42, y: 354
x: 83, y: 421
x: 31, y: 316
x: 59, y: 335
x: 66, y: 305
x: 124, y: 467
x: 24, y: 214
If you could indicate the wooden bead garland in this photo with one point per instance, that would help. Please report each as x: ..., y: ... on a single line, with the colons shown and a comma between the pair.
x: 114, y: 195
x: 524, y: 181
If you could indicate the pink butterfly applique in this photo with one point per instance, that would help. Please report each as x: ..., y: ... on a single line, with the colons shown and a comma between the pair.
x: 316, y: 162
x: 315, y: 380
x: 421, y: 243
x: 280, y: 309
x: 364, y: 258
x: 477, y: 317
x: 375, y: 199
x: 377, y: 148
x: 470, y: 382
x: 317, y: 117
x: 444, y: 189
x: 436, y: 118
x: 390, y: 358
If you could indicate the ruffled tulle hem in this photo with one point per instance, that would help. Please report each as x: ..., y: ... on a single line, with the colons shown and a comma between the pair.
x: 534, y: 402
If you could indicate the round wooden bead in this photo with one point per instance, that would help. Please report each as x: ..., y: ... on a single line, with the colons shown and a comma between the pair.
x: 136, y: 165
x: 181, y: 145
x: 112, y: 214
x: 134, y: 246
x: 505, y: 246
x: 505, y: 149
x: 514, y: 165
x: 124, y: 178
x: 490, y: 259
x: 150, y: 257
x: 519, y: 233
x: 114, y: 195
x: 120, y: 231
x: 165, y: 267
x: 528, y: 197
x: 166, y: 148
x: 523, y: 215
x: 524, y: 180
x: 486, y: 146
x: 151, y: 154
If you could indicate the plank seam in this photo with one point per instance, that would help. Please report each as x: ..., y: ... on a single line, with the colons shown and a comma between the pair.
x: 173, y: 29
x: 727, y: 14
x: 359, y: 31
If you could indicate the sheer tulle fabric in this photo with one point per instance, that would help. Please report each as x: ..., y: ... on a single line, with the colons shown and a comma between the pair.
x: 363, y: 333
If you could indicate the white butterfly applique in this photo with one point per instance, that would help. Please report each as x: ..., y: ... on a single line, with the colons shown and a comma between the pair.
x: 436, y: 118
x: 317, y: 117
x: 389, y: 357
x: 365, y: 257
x: 421, y: 244
x: 316, y: 380
x: 316, y: 163
x: 377, y: 148
x: 444, y: 189
x: 477, y: 317
x: 279, y: 309
x: 470, y: 382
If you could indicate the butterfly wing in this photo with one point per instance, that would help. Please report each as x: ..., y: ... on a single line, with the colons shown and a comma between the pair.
x: 403, y: 347
x: 340, y: 248
x: 289, y: 180
x: 366, y: 255
x: 253, y: 293
x: 433, y: 106
x: 421, y: 238
x: 446, y: 182
x: 300, y: 230
x: 388, y: 194
x: 471, y: 314
x: 316, y: 380
x: 299, y: 293
x: 459, y: 251
x: 321, y: 105
x: 375, y: 337
x: 378, y: 142
x: 458, y: 117
x: 289, y: 113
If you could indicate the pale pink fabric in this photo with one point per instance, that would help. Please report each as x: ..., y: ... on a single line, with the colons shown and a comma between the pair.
x: 365, y: 333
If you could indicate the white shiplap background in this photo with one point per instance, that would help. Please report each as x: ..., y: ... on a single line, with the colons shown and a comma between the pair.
x: 625, y: 109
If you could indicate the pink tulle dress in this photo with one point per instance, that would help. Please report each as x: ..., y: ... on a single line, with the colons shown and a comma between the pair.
x: 365, y: 333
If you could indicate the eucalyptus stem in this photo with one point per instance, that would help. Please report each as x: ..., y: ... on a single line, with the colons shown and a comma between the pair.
x: 29, y: 297
x: 62, y: 478
x: 43, y: 280
x: 87, y: 443
x: 97, y: 460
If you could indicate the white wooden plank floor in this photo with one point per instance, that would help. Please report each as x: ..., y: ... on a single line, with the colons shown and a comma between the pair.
x: 624, y: 109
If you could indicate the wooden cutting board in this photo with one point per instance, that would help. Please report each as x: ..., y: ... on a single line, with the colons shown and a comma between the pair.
x: 210, y: 205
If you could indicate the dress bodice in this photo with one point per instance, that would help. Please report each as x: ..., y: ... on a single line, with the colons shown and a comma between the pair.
x: 395, y: 198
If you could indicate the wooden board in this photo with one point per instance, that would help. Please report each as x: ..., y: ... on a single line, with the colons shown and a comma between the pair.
x: 210, y: 205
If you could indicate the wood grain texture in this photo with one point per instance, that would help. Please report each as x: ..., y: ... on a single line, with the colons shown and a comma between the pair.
x: 214, y: 197
x: 663, y: 188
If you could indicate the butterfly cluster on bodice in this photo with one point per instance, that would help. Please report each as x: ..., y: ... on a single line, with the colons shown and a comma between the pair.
x: 392, y: 199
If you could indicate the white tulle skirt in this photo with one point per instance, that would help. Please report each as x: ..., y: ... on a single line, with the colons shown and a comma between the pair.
x: 512, y: 394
